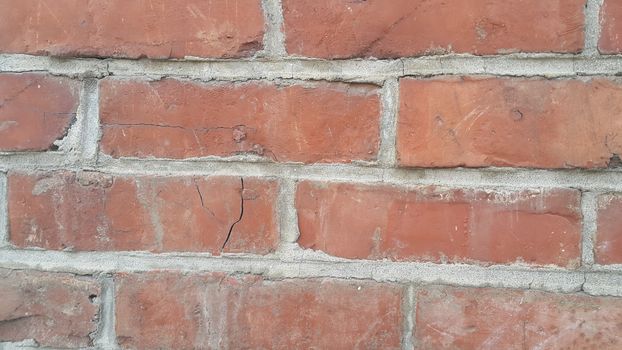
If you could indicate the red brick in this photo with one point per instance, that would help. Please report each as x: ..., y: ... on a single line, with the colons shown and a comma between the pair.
x: 167, y: 310
x: 478, y: 122
x: 323, y: 122
x: 459, y: 318
x: 35, y: 110
x: 137, y: 28
x: 440, y: 225
x: 377, y: 28
x: 92, y: 211
x: 608, y: 245
x: 611, y: 27
x: 54, y: 309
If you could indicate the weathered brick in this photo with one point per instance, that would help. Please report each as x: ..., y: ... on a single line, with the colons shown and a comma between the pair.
x: 168, y: 310
x: 440, y: 225
x: 611, y: 27
x: 460, y: 318
x: 478, y: 122
x: 54, y: 309
x: 377, y: 28
x: 137, y: 28
x: 93, y: 211
x: 323, y: 122
x: 35, y: 110
x: 608, y: 245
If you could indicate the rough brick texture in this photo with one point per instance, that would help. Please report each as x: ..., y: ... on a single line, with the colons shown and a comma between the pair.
x: 459, y: 318
x: 168, y: 310
x: 138, y: 28
x: 478, y: 122
x: 311, y: 174
x: 175, y: 119
x: 94, y: 211
x: 433, y: 224
x: 35, y: 110
x: 608, y: 246
x: 56, y: 310
x: 611, y: 27
x: 341, y: 29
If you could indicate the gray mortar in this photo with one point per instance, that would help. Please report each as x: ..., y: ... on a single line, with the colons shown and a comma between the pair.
x: 605, y: 180
x: 511, y: 178
x: 272, y: 267
x: 28, y: 344
x: 274, y: 40
x: 352, y: 70
x: 603, y: 284
x: 592, y: 27
x: 70, y: 67
x: 408, y: 309
x: 589, y: 209
x: 89, y: 110
x: 4, y: 212
x: 388, y: 123
x: 286, y: 212
x: 106, y: 338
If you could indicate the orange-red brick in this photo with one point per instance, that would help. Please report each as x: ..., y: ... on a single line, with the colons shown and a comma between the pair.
x: 396, y: 28
x: 513, y: 122
x: 608, y: 245
x: 35, y: 110
x: 537, y: 227
x: 137, y: 28
x: 94, y: 211
x: 189, y: 311
x: 611, y: 27
x: 55, y: 309
x: 323, y: 122
x: 460, y: 318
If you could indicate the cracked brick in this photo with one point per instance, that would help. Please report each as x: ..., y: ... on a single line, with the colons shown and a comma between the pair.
x: 35, y: 110
x: 160, y: 214
x: 315, y: 122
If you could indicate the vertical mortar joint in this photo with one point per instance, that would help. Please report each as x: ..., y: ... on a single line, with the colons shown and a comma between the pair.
x: 274, y: 39
x: 592, y: 28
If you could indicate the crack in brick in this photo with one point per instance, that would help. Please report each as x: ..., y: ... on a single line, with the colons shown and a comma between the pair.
x: 237, y: 127
x: 19, y: 92
x: 17, y: 319
x: 203, y: 203
x: 367, y: 48
x: 239, y: 219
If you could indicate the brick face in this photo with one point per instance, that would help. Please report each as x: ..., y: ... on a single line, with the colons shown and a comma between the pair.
x: 608, y: 245
x: 55, y: 309
x: 461, y: 318
x: 375, y: 28
x: 510, y: 122
x: 433, y: 224
x: 35, y: 110
x: 185, y: 119
x: 140, y: 28
x: 95, y: 211
x: 167, y: 310
x: 611, y: 27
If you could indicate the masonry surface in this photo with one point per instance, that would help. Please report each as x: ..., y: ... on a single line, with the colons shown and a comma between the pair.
x: 279, y: 174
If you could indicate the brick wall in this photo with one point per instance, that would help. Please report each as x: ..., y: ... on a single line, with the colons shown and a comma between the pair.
x: 319, y: 174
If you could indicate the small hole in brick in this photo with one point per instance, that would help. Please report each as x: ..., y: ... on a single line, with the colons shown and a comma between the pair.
x: 615, y: 162
x: 517, y: 114
x: 93, y: 298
